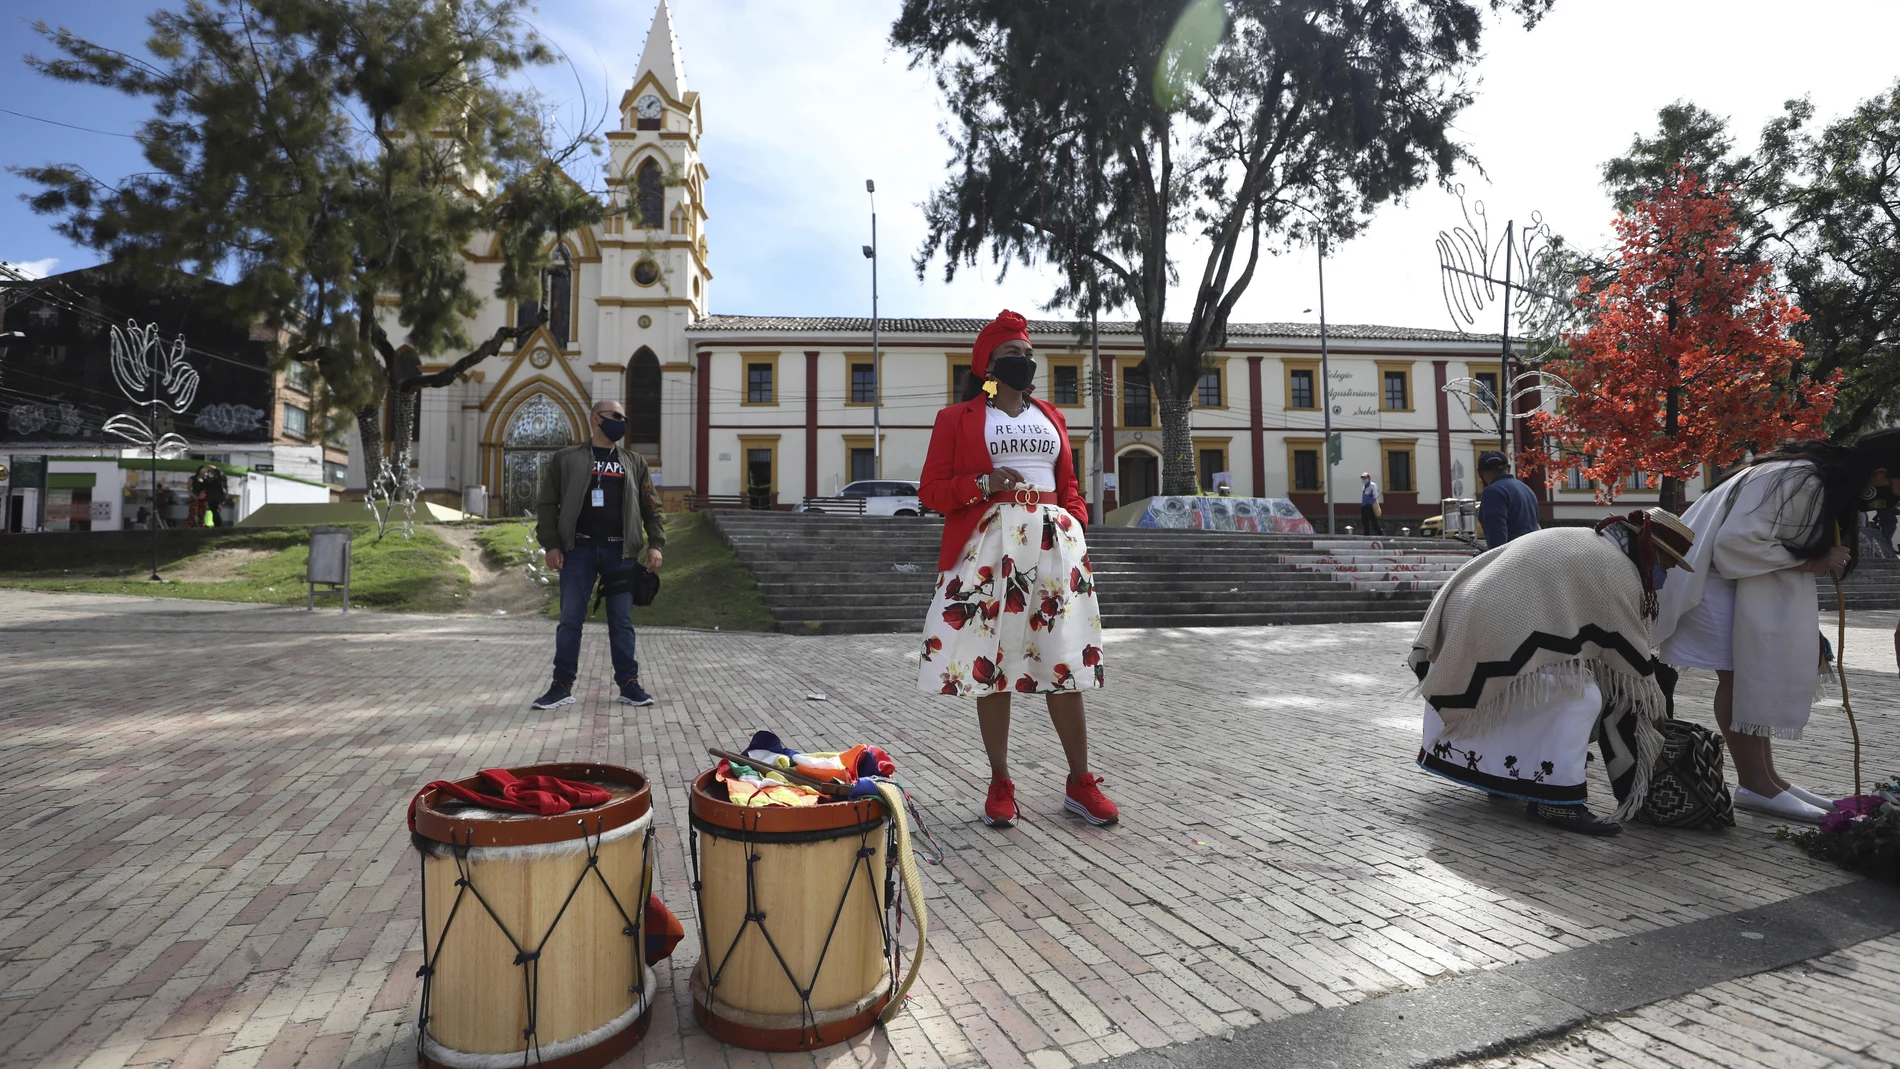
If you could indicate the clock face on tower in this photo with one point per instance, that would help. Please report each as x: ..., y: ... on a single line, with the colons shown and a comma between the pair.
x: 649, y: 107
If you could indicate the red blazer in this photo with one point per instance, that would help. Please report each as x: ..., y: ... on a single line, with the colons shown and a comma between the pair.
x: 959, y: 453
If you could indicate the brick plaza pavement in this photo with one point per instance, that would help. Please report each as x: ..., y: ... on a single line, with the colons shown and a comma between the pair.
x: 206, y: 862
x: 1834, y: 1011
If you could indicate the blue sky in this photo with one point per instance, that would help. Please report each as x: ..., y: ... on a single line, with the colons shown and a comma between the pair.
x: 803, y: 101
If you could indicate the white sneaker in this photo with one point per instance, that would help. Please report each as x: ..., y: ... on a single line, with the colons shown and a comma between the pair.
x: 1826, y: 805
x: 1784, y: 805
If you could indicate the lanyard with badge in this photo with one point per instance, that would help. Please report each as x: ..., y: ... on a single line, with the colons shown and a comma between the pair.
x: 599, y: 494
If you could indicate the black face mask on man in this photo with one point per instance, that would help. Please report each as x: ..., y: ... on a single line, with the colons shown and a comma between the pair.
x: 1015, y: 372
x: 613, y: 427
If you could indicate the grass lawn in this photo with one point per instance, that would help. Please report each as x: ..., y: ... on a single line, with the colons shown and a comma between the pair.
x: 702, y: 583
x: 506, y: 544
x: 267, y: 564
x: 128, y: 554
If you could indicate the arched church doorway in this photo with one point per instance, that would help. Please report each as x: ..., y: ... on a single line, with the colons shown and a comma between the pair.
x: 1137, y: 476
x: 643, y: 404
x: 535, y: 429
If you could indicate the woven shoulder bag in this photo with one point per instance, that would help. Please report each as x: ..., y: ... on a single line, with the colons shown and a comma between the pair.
x: 1687, y: 788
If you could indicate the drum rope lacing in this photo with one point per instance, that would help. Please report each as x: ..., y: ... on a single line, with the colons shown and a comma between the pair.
x: 529, y: 960
x: 900, y: 858
x: 808, y: 1018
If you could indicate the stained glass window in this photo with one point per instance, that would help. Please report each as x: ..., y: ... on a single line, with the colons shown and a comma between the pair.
x: 536, y: 429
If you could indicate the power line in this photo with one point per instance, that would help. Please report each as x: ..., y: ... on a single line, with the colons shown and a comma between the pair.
x: 70, y: 126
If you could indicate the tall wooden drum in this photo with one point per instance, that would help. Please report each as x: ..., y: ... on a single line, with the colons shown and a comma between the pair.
x: 795, y: 940
x: 532, y: 927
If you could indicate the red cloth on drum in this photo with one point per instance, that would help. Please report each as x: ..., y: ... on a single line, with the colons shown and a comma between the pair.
x: 664, y: 931
x: 546, y: 796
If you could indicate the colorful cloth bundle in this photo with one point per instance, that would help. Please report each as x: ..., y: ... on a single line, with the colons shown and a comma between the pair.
x: 763, y: 782
x: 749, y: 786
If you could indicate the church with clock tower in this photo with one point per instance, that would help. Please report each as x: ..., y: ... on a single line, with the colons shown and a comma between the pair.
x: 620, y: 297
x: 769, y: 411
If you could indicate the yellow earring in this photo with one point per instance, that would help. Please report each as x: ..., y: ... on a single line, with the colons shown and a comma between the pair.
x: 989, y: 387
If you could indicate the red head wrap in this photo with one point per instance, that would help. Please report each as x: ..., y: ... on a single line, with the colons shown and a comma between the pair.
x: 1007, y: 327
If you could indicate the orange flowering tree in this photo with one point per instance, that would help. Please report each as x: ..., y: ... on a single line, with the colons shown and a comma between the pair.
x: 1687, y: 359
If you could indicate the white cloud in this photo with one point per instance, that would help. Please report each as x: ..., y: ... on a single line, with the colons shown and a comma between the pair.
x: 34, y: 268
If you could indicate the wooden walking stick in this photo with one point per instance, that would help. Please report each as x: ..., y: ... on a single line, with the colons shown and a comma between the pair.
x: 1840, y: 661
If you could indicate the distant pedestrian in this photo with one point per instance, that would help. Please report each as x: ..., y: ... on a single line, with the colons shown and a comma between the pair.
x: 1885, y: 521
x: 1369, y: 507
x: 1015, y: 609
x: 596, y: 501
x: 208, y: 494
x: 1508, y: 508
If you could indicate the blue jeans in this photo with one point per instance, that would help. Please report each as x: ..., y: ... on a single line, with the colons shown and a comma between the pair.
x: 583, y: 566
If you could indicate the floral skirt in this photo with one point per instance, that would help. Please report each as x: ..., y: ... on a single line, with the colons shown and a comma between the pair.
x: 1017, y: 612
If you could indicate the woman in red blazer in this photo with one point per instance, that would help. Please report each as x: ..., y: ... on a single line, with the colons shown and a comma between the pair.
x: 1015, y: 609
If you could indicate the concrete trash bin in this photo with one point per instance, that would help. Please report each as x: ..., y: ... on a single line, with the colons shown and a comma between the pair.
x: 329, y: 564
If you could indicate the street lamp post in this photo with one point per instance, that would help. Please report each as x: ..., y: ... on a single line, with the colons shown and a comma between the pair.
x: 1096, y: 439
x: 1326, y: 388
x: 877, y: 362
x: 156, y: 374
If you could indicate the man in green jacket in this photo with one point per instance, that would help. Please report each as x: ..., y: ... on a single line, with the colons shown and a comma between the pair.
x: 596, y: 502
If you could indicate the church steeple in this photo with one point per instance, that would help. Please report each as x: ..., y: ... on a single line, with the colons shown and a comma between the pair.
x: 660, y: 184
x: 661, y: 56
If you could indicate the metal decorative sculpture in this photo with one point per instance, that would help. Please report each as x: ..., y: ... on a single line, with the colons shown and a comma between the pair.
x: 538, y: 571
x: 1534, y: 383
x: 151, y: 375
x: 390, y: 493
x: 1477, y: 274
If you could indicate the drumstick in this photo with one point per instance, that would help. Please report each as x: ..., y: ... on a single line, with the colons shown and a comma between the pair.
x: 836, y: 790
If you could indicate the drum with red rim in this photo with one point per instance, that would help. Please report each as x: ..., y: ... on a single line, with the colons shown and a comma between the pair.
x: 532, y: 927
x: 795, y: 940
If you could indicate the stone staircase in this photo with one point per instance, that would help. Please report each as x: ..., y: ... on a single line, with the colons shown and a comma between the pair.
x: 825, y: 574
x: 1382, y: 565
x: 1875, y: 584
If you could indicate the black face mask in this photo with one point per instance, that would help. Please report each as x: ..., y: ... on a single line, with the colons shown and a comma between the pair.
x: 612, y: 429
x: 1015, y: 372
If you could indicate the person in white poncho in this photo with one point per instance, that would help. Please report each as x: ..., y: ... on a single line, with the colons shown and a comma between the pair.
x: 1747, y: 612
x: 1529, y: 645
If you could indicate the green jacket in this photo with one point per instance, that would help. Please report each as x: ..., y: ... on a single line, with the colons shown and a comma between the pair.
x: 564, y: 484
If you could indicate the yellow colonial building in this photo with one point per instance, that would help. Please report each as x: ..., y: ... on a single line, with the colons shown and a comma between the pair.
x: 783, y: 407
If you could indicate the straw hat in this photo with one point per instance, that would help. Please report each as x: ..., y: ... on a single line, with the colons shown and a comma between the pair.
x: 1671, y: 536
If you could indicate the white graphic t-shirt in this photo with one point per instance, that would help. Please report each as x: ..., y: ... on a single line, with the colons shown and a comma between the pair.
x: 1029, y: 443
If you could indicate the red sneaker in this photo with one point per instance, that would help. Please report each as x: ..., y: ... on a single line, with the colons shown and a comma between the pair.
x: 999, y: 809
x: 1087, y: 800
